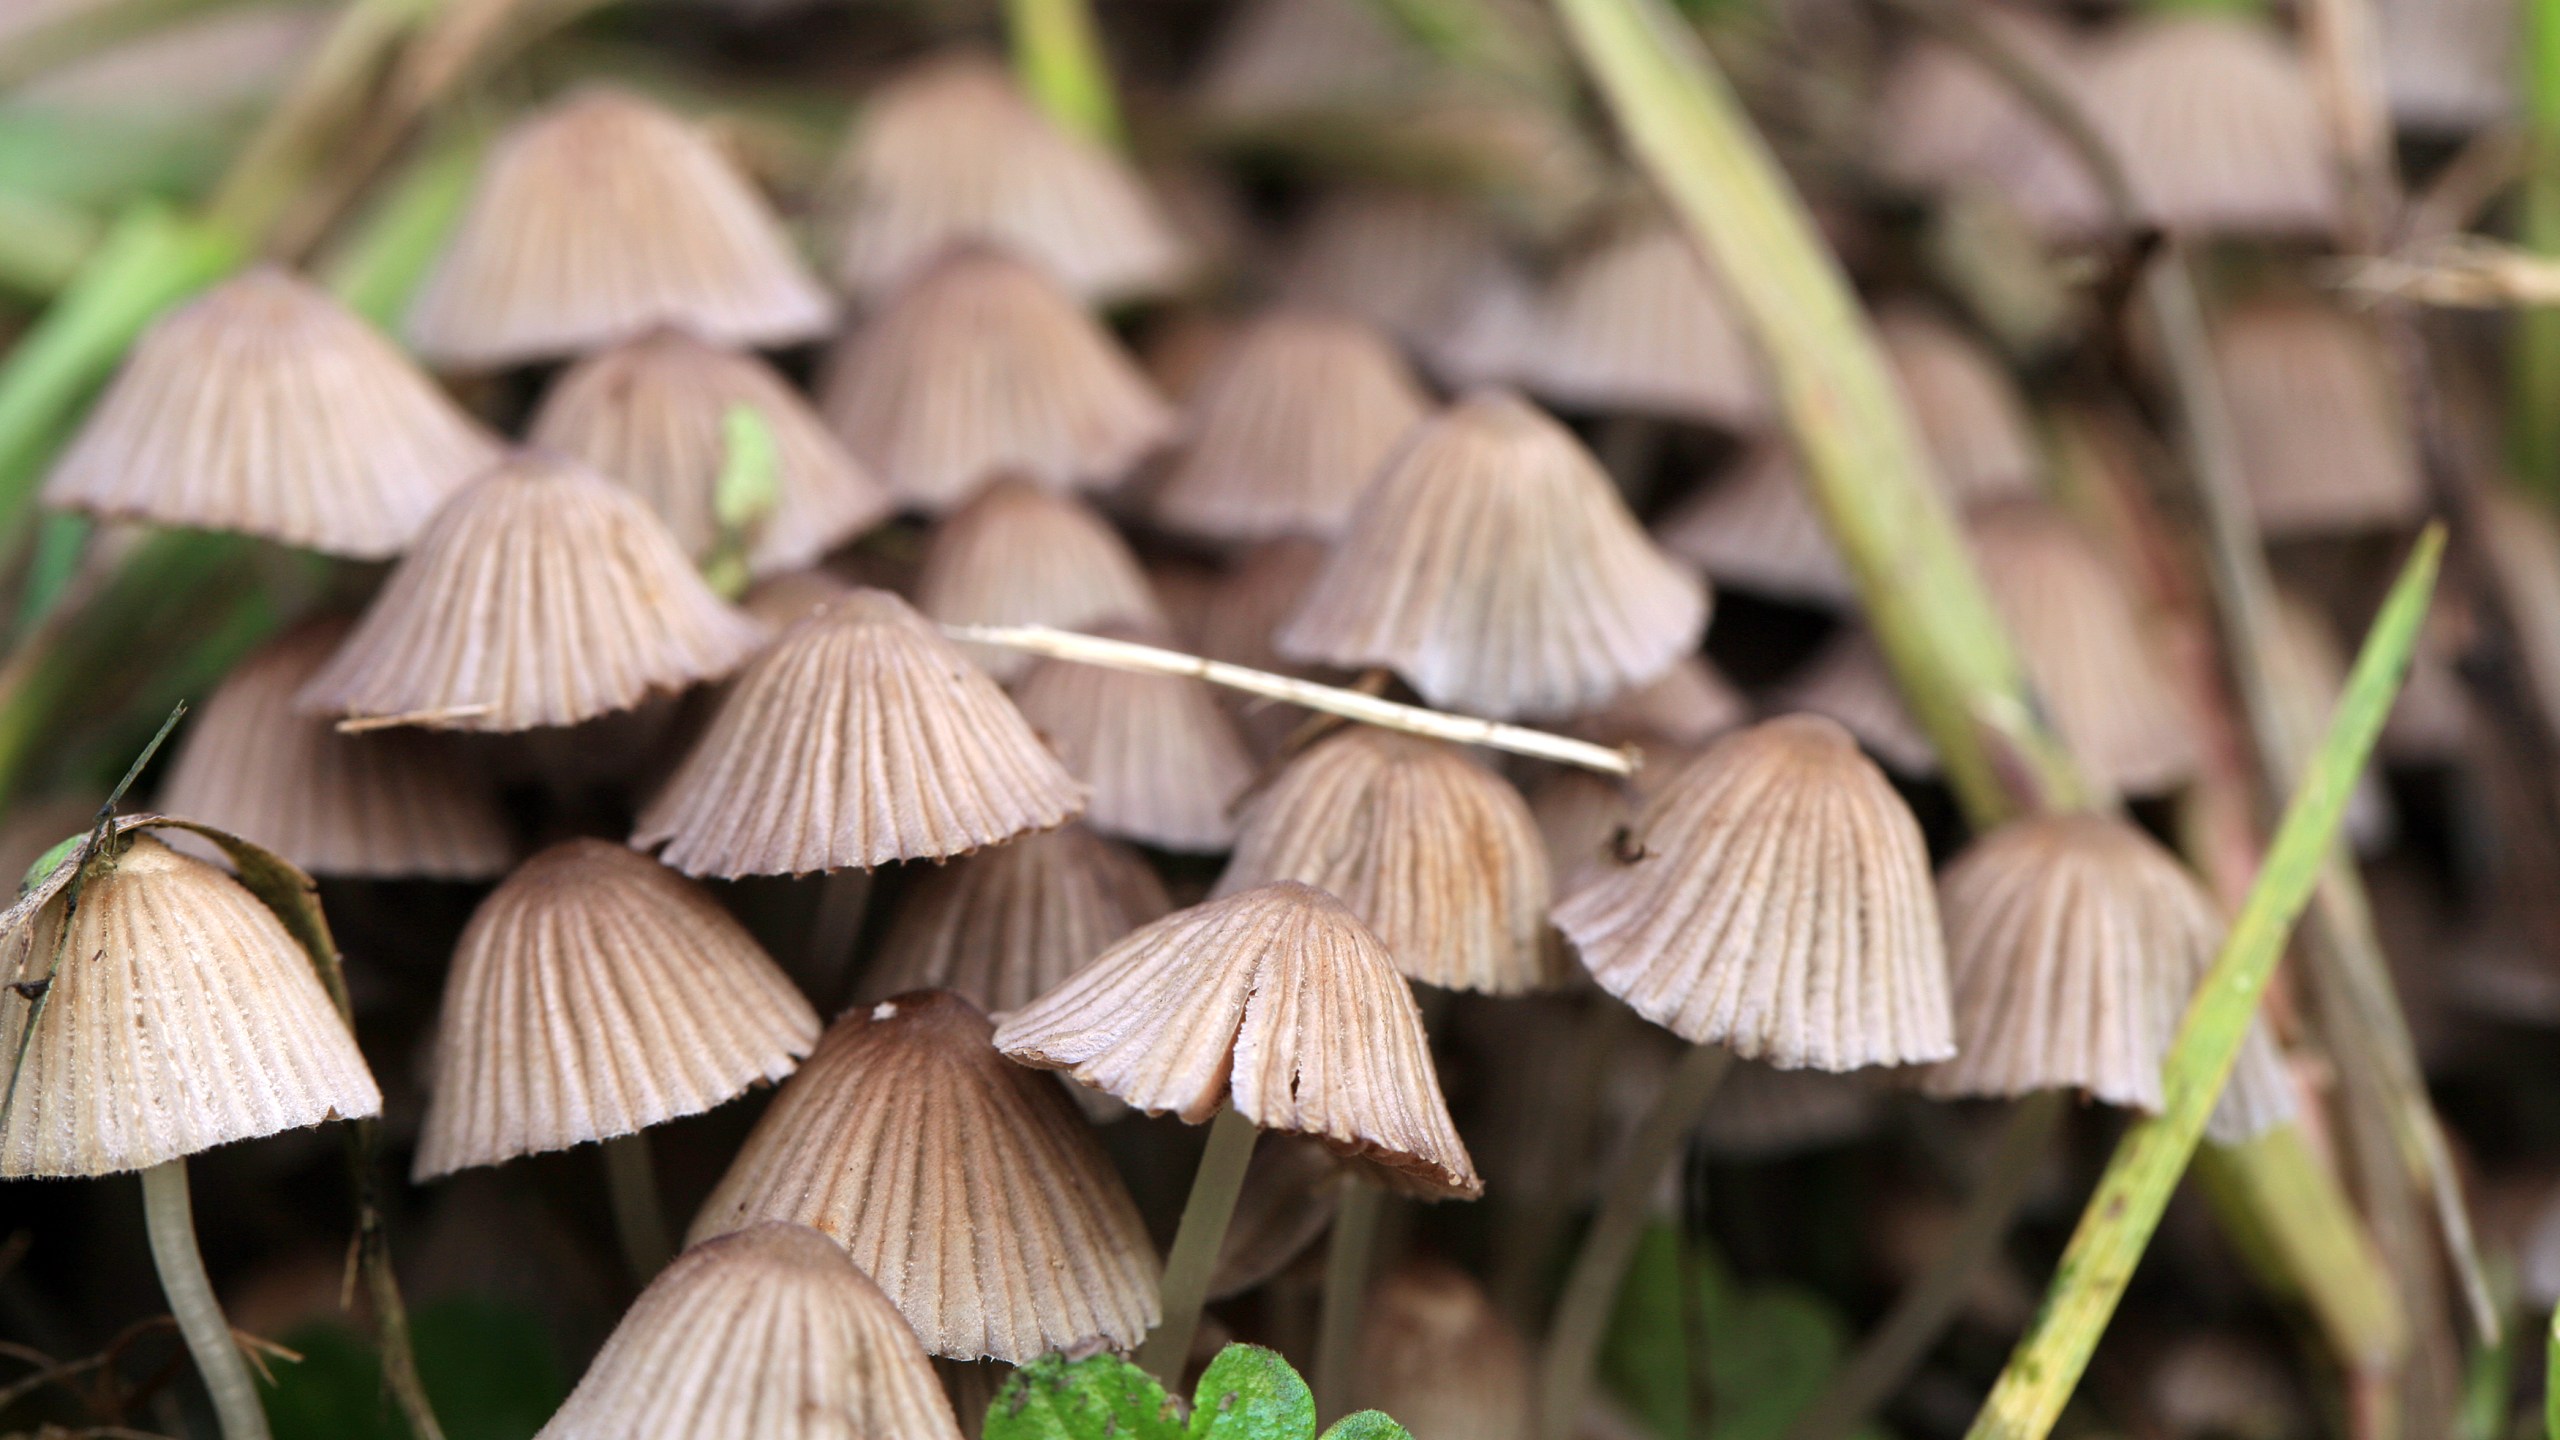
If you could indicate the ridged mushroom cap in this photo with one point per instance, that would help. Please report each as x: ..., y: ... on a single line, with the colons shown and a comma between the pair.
x: 1275, y: 1000
x: 966, y: 1186
x: 860, y: 737
x: 1639, y: 324
x: 1289, y: 428
x: 182, y: 1016
x: 541, y: 594
x: 1944, y: 119
x: 597, y: 219
x: 1847, y: 681
x: 1241, y: 621
x: 397, y: 804
x: 653, y: 413
x: 1777, y: 903
x: 597, y: 993
x: 265, y: 407
x: 1757, y: 530
x: 1436, y: 1355
x: 1967, y: 407
x: 1435, y: 853
x: 2323, y: 436
x: 1494, y: 565
x: 1021, y: 555
x: 1158, y: 754
x: 768, y: 1334
x: 1399, y: 259
x: 1009, y: 923
x: 951, y: 153
x: 981, y: 366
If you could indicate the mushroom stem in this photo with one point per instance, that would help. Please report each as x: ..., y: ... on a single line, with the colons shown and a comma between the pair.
x: 1214, y: 1187
x: 1923, y: 1310
x: 169, y: 1214
x: 1331, y: 699
x: 1346, y: 1288
x: 1591, y: 1290
x: 639, y: 1219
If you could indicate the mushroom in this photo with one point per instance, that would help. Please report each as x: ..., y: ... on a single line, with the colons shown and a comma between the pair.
x: 1013, y: 921
x: 1021, y: 555
x: 1162, y: 759
x: 1756, y: 530
x: 1636, y: 324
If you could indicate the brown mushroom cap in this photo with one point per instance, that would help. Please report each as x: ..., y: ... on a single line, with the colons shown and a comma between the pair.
x: 1010, y: 922
x: 1778, y: 903
x: 1399, y: 259
x: 967, y: 1186
x: 182, y: 1017
x: 861, y: 737
x: 768, y: 1334
x: 1966, y: 405
x: 1021, y: 555
x: 2323, y: 435
x: 1437, y: 1355
x: 1160, y: 756
x: 1757, y: 530
x: 1847, y: 681
x: 1276, y: 1000
x: 1639, y: 324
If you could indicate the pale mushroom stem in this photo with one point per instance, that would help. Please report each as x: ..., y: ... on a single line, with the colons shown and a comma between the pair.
x: 844, y: 900
x: 1346, y: 1289
x: 1591, y: 1290
x: 168, y: 1211
x: 1925, y: 1308
x: 1214, y: 1187
x: 1331, y: 699
x: 639, y: 1219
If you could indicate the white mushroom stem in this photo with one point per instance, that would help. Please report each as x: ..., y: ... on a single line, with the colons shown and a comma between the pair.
x: 169, y: 1213
x: 1331, y: 699
x: 1196, y: 1242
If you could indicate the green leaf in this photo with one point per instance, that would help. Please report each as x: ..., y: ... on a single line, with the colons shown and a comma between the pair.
x: 489, y: 1367
x: 1367, y: 1425
x: 1249, y: 1393
x: 1645, y: 1361
x: 1102, y: 1397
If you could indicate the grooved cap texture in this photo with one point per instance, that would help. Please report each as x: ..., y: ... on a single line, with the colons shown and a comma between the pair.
x: 1757, y: 530
x: 1014, y: 920
x: 1158, y: 752
x: 1020, y: 555
x: 1970, y: 417
x: 2323, y: 435
x: 1638, y: 324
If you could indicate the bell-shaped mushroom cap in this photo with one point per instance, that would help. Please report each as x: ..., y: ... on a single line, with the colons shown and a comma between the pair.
x: 1968, y: 411
x: 654, y: 413
x: 1289, y: 429
x: 264, y: 406
x: 2447, y: 65
x: 1436, y: 1355
x: 1020, y: 555
x: 1158, y: 753
x: 2324, y: 439
x: 772, y: 1333
x: 1435, y: 853
x: 181, y: 1017
x: 400, y: 804
x: 1945, y: 119
x: 1277, y: 1001
x: 980, y: 366
x: 541, y: 594
x: 861, y: 737
x: 1241, y: 621
x: 1282, y: 62
x: 1682, y: 708
x: 1774, y: 898
x: 1013, y: 921
x: 1638, y: 324
x: 1494, y: 565
x: 1399, y: 259
x: 784, y: 600
x: 1757, y: 530
x: 598, y: 219
x: 597, y: 993
x: 2083, y: 645
x: 967, y: 1186
x: 1848, y: 682
x: 951, y: 154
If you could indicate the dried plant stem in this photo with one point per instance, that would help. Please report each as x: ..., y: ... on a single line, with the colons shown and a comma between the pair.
x: 639, y: 1217
x: 1194, y: 1258
x: 1923, y: 1310
x: 1591, y: 1289
x: 1347, y: 1260
x: 1332, y: 700
x: 169, y: 1213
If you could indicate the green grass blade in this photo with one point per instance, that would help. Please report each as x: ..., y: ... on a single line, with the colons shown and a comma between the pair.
x: 1057, y: 54
x: 2126, y: 1209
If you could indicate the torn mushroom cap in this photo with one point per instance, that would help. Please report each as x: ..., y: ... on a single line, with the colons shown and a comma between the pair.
x: 2323, y: 435
x: 596, y: 220
x: 541, y: 594
x: 597, y: 993
x: 967, y: 1186
x: 768, y: 1334
x: 655, y: 413
x: 1161, y: 758
x: 950, y: 153
x: 1437, y: 1355
x: 1010, y: 922
x: 980, y: 366
x: 1757, y: 530
x: 395, y: 805
x: 1638, y: 324
x: 1494, y: 565
x: 1435, y: 853
x: 1967, y: 408
x: 860, y: 737
x: 1289, y: 428
x: 181, y: 1016
x: 265, y: 407
x: 1276, y: 1000
x: 1021, y: 555
x: 1773, y: 897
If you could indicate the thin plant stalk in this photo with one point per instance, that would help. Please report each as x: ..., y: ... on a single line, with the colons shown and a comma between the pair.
x: 1590, y: 1293
x: 385, y: 254
x: 2551, y: 1380
x: 2134, y: 1192
x: 1347, y: 1262
x: 2534, y: 360
x: 1057, y: 53
x: 639, y: 1216
x: 1196, y: 1242
x: 1924, y: 1309
x: 169, y: 1214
